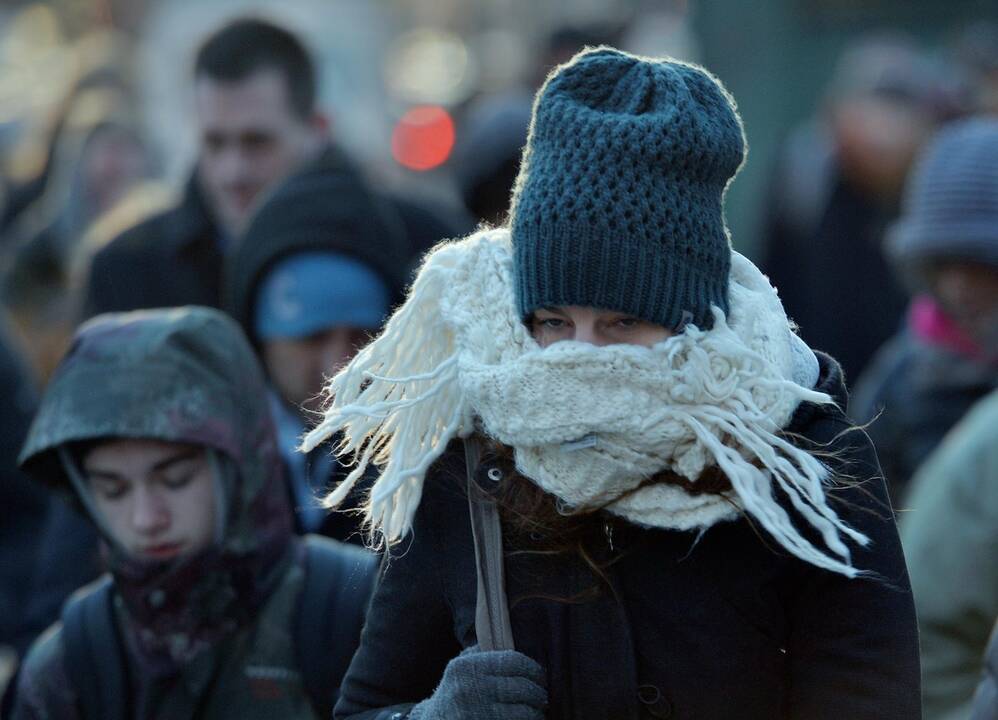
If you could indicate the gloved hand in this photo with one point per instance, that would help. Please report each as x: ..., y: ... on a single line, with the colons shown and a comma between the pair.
x: 487, y: 685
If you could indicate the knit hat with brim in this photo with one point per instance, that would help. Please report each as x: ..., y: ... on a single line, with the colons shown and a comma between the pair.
x: 618, y: 204
x: 950, y: 208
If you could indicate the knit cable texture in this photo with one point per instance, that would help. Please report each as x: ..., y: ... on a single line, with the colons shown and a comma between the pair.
x: 618, y: 204
x: 587, y: 424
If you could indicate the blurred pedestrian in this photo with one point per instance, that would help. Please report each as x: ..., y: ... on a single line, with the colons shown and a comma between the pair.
x: 323, y: 261
x: 156, y: 425
x: 100, y: 156
x: 945, y: 245
x: 950, y: 538
x: 258, y: 121
x: 51, y: 76
x: 838, y: 185
x: 664, y: 505
x: 976, y: 49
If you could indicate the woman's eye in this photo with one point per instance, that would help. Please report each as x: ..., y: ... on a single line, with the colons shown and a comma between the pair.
x: 628, y: 323
x: 549, y: 323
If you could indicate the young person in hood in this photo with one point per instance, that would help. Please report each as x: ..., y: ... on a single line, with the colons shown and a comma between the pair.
x: 157, y: 425
x: 690, y: 525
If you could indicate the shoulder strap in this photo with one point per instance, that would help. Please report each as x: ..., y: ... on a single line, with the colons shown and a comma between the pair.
x: 492, y: 625
x: 339, y: 579
x: 95, y: 660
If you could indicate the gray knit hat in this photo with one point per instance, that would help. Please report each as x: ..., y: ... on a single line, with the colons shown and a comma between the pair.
x: 618, y: 204
x: 950, y: 205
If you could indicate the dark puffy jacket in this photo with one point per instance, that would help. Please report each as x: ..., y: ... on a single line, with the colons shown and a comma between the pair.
x: 175, y: 257
x: 707, y: 628
x: 986, y: 699
x: 823, y: 251
x: 24, y: 505
x: 171, y: 258
x: 922, y: 390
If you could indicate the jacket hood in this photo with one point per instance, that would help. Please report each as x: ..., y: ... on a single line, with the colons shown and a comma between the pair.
x: 181, y: 375
x: 325, y: 206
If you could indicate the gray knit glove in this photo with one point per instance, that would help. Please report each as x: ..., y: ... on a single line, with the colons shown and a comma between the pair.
x: 487, y: 685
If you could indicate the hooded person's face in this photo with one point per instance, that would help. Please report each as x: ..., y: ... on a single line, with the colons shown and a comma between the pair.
x: 299, y: 367
x: 157, y: 498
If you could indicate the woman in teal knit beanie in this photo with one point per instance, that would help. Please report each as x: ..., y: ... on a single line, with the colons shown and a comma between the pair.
x: 614, y: 483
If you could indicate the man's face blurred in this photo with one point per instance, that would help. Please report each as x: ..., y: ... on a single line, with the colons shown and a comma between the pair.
x: 298, y: 367
x: 877, y: 140
x: 250, y: 138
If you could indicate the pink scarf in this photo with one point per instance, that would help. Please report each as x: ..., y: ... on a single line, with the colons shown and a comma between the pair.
x: 931, y: 324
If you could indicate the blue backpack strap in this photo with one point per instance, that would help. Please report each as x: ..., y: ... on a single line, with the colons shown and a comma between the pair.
x: 95, y: 661
x: 339, y: 579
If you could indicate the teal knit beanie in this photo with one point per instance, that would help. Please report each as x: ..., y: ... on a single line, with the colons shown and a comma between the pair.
x: 618, y: 204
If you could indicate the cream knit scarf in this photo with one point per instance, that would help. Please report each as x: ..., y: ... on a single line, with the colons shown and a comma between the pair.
x: 587, y: 424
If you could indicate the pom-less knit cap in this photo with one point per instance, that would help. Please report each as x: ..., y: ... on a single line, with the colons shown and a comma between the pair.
x: 311, y: 292
x: 950, y: 207
x: 618, y: 204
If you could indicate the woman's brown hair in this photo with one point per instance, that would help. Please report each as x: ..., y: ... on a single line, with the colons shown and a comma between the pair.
x: 536, y: 523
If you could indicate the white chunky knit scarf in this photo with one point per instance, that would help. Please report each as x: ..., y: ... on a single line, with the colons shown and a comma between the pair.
x: 587, y: 424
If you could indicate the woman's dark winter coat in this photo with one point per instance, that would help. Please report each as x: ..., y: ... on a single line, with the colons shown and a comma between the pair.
x: 718, y: 626
x: 986, y: 699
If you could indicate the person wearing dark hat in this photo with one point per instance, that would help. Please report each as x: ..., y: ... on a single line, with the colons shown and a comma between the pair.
x: 612, y: 480
x: 945, y: 358
x: 313, y: 277
x: 837, y: 185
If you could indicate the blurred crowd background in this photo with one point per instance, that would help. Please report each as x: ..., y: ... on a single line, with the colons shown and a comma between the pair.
x: 432, y: 98
x: 95, y: 101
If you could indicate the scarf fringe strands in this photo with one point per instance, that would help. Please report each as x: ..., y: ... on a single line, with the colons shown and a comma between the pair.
x: 587, y: 424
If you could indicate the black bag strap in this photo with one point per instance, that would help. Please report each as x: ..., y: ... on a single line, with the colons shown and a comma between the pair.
x: 492, y: 625
x: 339, y: 579
x: 95, y: 660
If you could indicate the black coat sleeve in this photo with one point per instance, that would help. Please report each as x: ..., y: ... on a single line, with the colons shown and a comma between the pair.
x: 854, y: 642
x: 408, y: 638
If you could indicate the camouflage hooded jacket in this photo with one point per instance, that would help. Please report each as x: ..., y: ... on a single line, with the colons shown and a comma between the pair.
x: 192, y: 631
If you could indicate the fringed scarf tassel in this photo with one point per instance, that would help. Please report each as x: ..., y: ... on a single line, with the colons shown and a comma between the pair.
x: 379, y: 404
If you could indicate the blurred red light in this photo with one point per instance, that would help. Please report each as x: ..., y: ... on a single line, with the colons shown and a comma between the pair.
x: 423, y: 138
